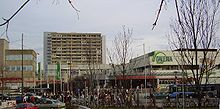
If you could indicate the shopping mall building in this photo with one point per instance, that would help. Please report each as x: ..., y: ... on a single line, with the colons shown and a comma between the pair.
x: 162, y: 68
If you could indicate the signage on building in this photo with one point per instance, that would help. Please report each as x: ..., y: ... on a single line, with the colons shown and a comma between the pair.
x: 160, y: 57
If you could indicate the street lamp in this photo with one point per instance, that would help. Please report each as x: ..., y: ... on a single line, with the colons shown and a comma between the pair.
x: 22, y: 64
x: 54, y: 83
x: 69, y: 85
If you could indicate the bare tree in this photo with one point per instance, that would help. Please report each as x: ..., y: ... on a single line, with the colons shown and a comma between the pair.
x: 121, y: 52
x: 193, y: 34
x: 90, y: 61
x: 111, y: 58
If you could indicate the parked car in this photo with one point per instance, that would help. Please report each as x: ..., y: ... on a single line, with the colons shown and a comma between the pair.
x: 19, y: 99
x: 160, y: 95
x: 26, y: 106
x: 5, y: 97
x: 46, y: 103
x: 13, y: 95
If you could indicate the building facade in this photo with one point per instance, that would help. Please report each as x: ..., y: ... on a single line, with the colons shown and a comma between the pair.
x: 74, y: 48
x: 162, y: 68
x: 4, y: 46
x: 14, y: 65
x: 76, y: 53
x: 12, y: 62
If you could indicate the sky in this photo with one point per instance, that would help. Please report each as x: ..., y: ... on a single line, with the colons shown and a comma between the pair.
x: 105, y: 16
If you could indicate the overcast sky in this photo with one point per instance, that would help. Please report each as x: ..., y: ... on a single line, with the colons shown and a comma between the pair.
x: 105, y: 16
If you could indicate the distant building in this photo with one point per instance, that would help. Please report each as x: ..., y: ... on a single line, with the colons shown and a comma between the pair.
x: 74, y: 51
x: 11, y: 65
x: 75, y: 48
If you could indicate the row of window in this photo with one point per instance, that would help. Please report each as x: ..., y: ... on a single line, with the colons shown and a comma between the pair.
x: 166, y: 82
x: 19, y: 68
x: 19, y: 57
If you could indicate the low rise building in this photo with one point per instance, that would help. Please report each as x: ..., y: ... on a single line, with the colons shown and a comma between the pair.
x: 162, y: 68
x: 11, y: 62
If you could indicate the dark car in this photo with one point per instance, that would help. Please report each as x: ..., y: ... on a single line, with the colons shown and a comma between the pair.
x: 160, y: 95
x: 5, y: 97
x: 26, y: 106
x: 180, y: 95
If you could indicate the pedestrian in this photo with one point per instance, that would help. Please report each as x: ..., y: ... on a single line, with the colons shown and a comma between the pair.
x: 32, y: 99
x: 25, y: 99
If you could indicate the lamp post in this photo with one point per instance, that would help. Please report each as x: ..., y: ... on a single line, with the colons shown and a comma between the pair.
x: 69, y: 77
x: 54, y: 83
x: 145, y: 81
x: 22, y: 69
x: 38, y: 72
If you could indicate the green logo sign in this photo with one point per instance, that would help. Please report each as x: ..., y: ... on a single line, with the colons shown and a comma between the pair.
x: 160, y: 58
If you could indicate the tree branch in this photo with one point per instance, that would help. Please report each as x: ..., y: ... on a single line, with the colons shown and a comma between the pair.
x: 77, y: 11
x: 8, y: 20
x: 158, y: 14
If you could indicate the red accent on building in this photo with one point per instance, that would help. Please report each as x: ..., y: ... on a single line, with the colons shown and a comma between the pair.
x: 134, y: 77
x: 43, y: 81
x: 11, y: 79
x: 127, y: 77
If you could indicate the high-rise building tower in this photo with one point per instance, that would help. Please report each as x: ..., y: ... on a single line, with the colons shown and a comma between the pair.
x: 75, y: 48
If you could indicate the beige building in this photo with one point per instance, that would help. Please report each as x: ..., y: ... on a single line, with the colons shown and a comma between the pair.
x: 4, y: 45
x: 76, y: 52
x: 73, y: 48
x: 11, y: 65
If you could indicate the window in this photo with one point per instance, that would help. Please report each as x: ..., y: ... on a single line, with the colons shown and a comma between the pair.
x: 19, y: 57
x: 12, y: 68
x: 19, y: 68
x: 29, y: 68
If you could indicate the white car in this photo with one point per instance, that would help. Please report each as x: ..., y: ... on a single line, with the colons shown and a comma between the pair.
x: 46, y: 103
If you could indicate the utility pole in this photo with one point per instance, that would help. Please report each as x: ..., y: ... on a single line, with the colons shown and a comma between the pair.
x: 2, y: 68
x: 145, y: 81
x: 54, y: 84
x: 22, y: 64
x: 69, y: 88
x: 61, y: 80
